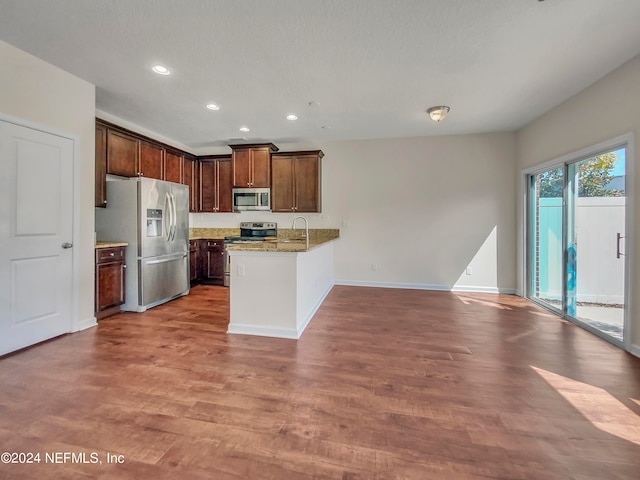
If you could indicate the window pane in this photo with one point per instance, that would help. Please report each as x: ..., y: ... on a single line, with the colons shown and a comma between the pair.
x: 546, y: 237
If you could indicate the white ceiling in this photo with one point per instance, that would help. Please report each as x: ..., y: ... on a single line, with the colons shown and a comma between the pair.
x: 374, y: 66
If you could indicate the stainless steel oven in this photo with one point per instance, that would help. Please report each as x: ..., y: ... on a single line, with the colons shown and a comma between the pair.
x: 250, y: 232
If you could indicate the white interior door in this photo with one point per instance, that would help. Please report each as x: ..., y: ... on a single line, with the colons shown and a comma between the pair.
x: 36, y: 225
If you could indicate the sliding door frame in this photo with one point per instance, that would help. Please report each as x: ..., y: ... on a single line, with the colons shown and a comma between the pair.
x: 624, y: 141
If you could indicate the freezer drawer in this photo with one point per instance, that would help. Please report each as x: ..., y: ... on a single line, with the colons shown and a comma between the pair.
x: 162, y: 279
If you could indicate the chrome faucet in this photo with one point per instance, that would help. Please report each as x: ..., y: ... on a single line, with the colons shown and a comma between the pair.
x: 306, y: 228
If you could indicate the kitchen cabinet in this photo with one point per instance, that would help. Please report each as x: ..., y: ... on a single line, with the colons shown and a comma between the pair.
x: 213, y: 262
x: 251, y: 165
x: 215, y: 172
x: 122, y: 154
x: 194, y: 261
x: 190, y: 179
x: 296, y: 181
x: 173, y: 167
x: 101, y: 166
x: 150, y: 160
x: 109, y: 280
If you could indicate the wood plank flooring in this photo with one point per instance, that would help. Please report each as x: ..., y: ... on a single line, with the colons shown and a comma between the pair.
x: 384, y: 384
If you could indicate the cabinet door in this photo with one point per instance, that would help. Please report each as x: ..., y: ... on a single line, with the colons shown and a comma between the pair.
x: 172, y: 167
x: 101, y: 166
x: 224, y: 183
x: 282, y: 193
x: 214, y: 262
x: 194, y: 261
x: 241, y: 159
x: 261, y: 165
x: 122, y: 154
x: 190, y: 179
x: 207, y: 189
x: 307, y: 183
x: 109, y: 278
x: 110, y: 285
x: 151, y: 156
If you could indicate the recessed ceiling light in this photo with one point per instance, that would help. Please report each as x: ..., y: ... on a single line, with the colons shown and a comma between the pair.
x: 161, y: 70
x: 213, y: 106
x: 244, y: 129
x: 292, y: 116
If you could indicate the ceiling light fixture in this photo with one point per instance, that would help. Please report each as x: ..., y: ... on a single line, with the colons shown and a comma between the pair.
x: 438, y: 113
x: 161, y: 70
x: 244, y: 129
x: 292, y: 116
x: 213, y: 106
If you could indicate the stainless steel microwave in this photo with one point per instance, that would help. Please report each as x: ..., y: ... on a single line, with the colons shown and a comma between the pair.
x: 251, y: 199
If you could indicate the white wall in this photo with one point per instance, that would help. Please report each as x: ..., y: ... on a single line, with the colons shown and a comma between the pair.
x: 607, y: 109
x: 421, y: 209
x: 42, y: 94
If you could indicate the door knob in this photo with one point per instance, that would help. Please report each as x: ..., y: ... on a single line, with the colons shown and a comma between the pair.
x: 67, y: 245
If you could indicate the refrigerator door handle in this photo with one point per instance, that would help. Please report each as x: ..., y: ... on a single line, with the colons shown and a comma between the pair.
x: 171, y: 216
x: 166, y: 224
x: 165, y: 260
x: 175, y: 216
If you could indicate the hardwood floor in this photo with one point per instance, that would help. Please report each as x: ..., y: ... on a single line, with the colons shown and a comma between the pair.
x: 384, y: 384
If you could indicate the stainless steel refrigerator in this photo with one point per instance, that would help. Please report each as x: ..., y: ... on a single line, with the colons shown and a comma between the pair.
x: 152, y: 216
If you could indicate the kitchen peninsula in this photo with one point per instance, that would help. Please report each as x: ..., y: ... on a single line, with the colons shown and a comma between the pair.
x: 277, y: 286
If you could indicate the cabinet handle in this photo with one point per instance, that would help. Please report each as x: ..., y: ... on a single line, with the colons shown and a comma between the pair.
x: 112, y: 254
x: 105, y: 202
x: 124, y: 266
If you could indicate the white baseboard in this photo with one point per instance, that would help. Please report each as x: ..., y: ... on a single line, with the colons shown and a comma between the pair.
x: 84, y: 324
x: 261, y: 331
x: 424, y: 286
x: 634, y: 350
x: 313, y: 311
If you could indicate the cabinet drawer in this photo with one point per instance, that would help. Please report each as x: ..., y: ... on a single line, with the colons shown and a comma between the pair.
x: 110, y: 254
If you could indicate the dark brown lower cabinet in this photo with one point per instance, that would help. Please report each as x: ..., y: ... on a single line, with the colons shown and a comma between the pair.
x: 110, y: 281
x: 213, y: 262
x: 194, y: 261
x: 206, y: 260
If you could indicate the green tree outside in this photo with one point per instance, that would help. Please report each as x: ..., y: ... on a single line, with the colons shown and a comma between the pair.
x: 593, y: 175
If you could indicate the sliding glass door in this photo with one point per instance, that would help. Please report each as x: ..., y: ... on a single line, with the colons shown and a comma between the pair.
x: 546, y: 268
x: 595, y: 230
x: 576, y: 226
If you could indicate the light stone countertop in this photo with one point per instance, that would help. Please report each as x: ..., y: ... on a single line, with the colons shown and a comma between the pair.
x: 280, y: 245
x: 110, y: 244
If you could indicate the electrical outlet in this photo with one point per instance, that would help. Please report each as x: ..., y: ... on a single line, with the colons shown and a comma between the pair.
x: 374, y: 267
x: 469, y: 271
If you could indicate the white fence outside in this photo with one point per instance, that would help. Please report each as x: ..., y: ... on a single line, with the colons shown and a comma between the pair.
x: 600, y: 275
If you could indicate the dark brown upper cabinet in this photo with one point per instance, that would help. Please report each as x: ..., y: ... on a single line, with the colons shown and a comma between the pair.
x: 151, y: 160
x: 190, y: 179
x: 101, y: 166
x: 173, y: 166
x: 122, y: 154
x: 215, y: 183
x: 251, y: 165
x: 296, y: 181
